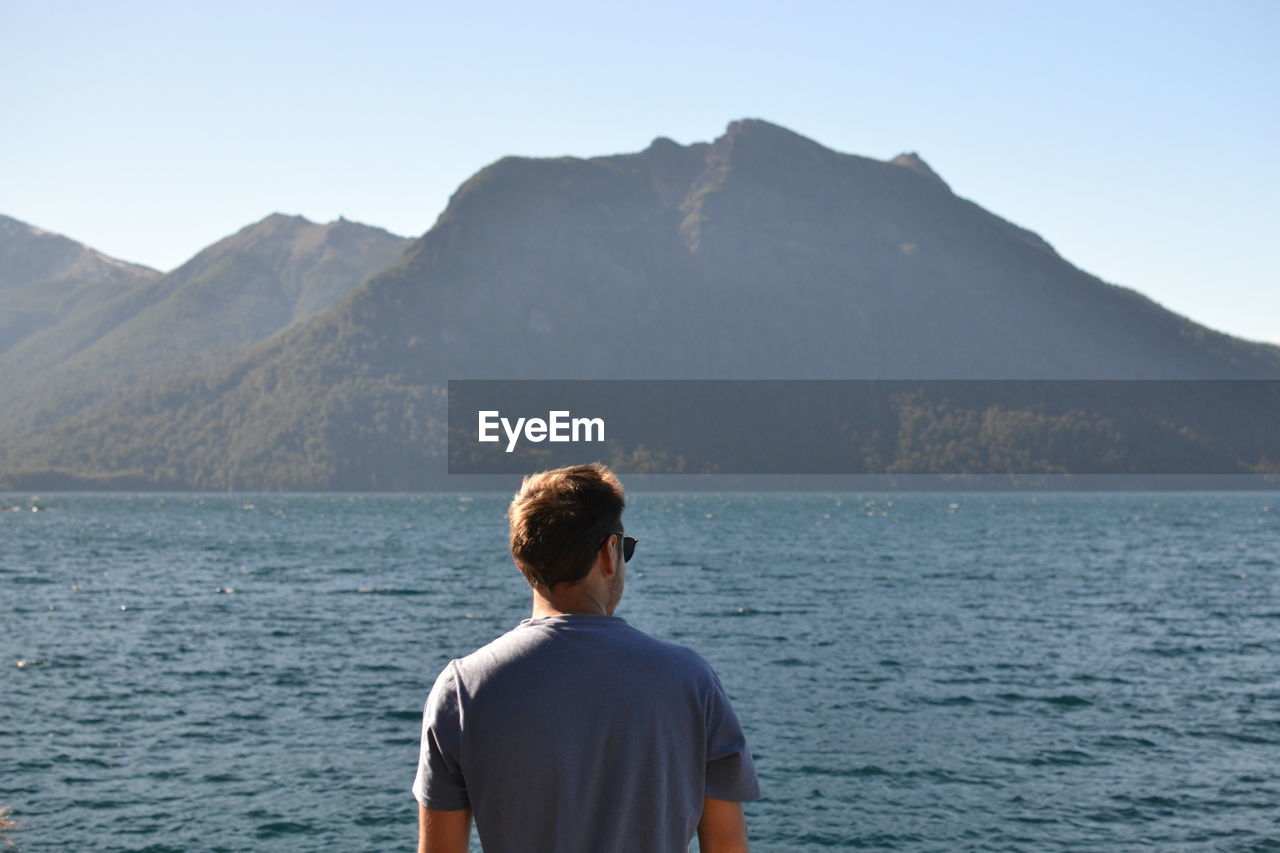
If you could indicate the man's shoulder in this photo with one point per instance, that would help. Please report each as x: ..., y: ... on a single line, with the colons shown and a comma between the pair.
x: 534, y: 638
x: 674, y: 653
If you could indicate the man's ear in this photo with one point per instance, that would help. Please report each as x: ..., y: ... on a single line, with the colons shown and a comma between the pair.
x: 610, y: 563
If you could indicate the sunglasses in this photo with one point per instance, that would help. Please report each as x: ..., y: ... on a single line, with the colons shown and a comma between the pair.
x: 628, y: 545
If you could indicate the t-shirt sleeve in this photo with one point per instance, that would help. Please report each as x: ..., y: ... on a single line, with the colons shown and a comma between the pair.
x: 731, y: 774
x: 439, y: 783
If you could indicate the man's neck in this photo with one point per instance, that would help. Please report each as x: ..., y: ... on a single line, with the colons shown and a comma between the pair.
x: 544, y: 606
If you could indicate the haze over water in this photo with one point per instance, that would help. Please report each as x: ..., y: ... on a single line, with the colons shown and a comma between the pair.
x: 914, y: 672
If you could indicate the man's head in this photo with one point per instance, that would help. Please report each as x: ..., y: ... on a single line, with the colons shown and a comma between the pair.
x: 560, y: 520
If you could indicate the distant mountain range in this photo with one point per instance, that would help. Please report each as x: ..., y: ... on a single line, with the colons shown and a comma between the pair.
x: 211, y: 310
x: 46, y: 278
x: 302, y: 356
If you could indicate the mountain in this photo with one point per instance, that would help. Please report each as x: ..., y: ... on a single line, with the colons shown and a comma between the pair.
x: 271, y: 275
x: 45, y: 278
x: 760, y: 255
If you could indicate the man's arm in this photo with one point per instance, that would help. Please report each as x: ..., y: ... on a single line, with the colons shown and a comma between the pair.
x: 722, y: 829
x: 444, y: 832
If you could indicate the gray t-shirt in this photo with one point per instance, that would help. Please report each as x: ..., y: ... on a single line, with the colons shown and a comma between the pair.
x: 581, y: 733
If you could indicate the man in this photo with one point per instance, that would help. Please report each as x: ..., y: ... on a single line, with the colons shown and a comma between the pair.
x: 574, y: 731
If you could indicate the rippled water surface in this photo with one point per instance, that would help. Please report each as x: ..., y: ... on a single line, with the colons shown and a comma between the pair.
x: 919, y: 672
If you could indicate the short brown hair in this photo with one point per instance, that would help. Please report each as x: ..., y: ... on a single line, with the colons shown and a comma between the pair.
x: 558, y: 520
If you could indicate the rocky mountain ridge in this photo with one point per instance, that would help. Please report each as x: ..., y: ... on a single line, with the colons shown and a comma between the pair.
x: 760, y: 255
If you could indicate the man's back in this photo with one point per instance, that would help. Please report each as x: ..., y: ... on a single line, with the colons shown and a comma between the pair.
x: 578, y: 732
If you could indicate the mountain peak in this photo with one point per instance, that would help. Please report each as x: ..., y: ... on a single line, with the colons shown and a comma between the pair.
x: 756, y: 126
x: 757, y: 132
x: 29, y: 254
x: 281, y: 220
x: 913, y: 161
x: 295, y: 226
x: 663, y: 143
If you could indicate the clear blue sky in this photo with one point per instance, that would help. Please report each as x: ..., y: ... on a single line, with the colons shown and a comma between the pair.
x: 1140, y: 138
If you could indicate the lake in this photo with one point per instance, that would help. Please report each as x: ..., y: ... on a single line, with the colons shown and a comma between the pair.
x: 917, y: 672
